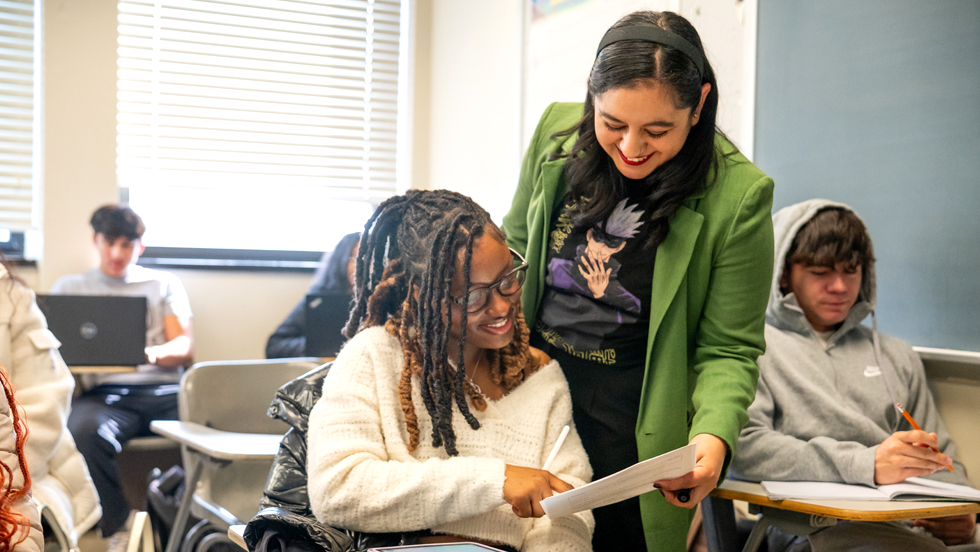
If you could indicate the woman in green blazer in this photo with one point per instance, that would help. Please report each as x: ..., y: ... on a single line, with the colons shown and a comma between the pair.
x: 650, y: 243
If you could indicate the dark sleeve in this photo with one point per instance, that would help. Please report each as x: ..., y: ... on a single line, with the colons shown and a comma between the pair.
x: 289, y: 339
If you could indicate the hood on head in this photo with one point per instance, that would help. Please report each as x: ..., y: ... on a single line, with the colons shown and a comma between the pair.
x: 783, y: 309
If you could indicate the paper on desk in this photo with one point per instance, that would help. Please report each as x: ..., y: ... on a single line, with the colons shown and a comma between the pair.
x: 634, y: 480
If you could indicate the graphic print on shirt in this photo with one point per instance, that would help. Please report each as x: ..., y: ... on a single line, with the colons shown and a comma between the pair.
x: 585, y: 288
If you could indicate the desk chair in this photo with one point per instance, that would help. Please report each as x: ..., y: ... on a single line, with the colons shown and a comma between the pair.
x: 222, y: 419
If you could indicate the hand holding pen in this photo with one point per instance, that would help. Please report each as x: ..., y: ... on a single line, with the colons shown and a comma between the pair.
x: 907, y: 454
x: 525, y: 488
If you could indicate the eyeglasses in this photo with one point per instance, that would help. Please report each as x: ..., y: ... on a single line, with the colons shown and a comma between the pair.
x: 508, y: 285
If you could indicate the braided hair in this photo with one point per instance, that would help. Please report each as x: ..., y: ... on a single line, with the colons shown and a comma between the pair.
x: 405, y: 267
x: 11, y: 521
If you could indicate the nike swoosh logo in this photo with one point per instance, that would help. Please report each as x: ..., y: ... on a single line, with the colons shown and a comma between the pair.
x: 872, y: 371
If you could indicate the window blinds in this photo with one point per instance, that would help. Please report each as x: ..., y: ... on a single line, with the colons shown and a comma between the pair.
x: 257, y: 99
x: 17, y: 115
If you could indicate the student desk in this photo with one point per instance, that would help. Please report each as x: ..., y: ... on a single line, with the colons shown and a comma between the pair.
x: 210, y: 446
x: 78, y: 370
x: 803, y: 517
x: 237, y: 535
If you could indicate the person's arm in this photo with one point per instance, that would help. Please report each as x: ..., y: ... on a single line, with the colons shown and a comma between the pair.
x: 729, y: 339
x: 951, y: 530
x: 571, y: 464
x: 355, y: 484
x: 42, y: 380
x: 767, y: 454
x: 179, y: 348
x: 922, y: 408
x: 289, y: 339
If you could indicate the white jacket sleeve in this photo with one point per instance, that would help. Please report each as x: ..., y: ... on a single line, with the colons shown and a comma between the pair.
x: 42, y: 380
x: 360, y: 474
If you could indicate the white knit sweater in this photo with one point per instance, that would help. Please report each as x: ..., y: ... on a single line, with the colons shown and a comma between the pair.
x: 362, y: 476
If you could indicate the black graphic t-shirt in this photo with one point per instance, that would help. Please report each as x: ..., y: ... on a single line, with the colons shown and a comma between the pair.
x: 596, y: 303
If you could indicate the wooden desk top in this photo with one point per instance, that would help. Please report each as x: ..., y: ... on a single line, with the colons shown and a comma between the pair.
x: 101, y: 369
x: 863, y: 510
x: 222, y: 445
x: 237, y: 535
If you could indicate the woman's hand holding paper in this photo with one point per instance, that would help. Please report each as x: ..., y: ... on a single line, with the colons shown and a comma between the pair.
x: 703, y: 478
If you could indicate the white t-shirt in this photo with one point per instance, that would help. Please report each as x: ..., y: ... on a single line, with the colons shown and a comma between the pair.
x: 165, y: 296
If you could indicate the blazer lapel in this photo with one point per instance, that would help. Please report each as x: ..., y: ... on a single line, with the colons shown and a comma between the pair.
x: 673, y: 257
x: 553, y: 186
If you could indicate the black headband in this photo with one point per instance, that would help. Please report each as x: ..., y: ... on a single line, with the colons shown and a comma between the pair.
x: 650, y: 33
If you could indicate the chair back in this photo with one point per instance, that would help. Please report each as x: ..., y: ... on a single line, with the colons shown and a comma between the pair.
x: 235, y: 395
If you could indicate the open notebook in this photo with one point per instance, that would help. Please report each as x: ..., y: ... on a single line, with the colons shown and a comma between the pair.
x: 913, y: 488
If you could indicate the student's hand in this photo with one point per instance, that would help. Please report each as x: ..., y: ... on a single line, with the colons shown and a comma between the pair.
x: 525, y: 488
x: 907, y: 454
x: 704, y: 478
x: 951, y: 530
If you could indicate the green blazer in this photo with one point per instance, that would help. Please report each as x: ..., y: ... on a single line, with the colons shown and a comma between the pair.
x: 707, y: 317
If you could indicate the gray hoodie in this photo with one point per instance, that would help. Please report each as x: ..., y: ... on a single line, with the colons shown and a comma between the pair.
x: 821, y: 410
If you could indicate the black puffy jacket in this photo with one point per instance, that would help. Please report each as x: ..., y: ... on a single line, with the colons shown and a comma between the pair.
x: 285, y: 513
x: 285, y: 507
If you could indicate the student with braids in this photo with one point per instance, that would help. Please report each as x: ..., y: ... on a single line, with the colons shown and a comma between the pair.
x: 436, y: 415
x: 650, y: 247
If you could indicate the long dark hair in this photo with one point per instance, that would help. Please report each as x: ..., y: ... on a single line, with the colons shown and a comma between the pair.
x: 335, y: 270
x: 411, y: 243
x: 590, y: 172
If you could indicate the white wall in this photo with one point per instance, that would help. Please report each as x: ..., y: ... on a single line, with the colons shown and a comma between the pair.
x: 468, y: 99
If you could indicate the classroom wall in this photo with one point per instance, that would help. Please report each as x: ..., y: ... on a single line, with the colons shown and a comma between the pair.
x: 468, y: 99
x: 878, y: 107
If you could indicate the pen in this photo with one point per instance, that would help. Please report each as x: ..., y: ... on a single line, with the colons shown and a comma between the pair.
x: 916, y: 426
x: 554, y: 451
x: 684, y: 495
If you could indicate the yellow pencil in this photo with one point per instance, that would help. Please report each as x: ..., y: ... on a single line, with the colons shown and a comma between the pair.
x: 916, y: 426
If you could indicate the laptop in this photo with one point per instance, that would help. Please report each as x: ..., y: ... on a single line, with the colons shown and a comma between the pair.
x: 326, y: 315
x: 97, y: 330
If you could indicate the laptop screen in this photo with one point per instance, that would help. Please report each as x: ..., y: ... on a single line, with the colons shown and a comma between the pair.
x: 97, y: 330
x: 326, y: 315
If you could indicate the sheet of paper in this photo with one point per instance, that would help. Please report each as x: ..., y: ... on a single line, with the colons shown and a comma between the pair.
x: 819, y: 490
x: 917, y: 487
x: 634, y: 480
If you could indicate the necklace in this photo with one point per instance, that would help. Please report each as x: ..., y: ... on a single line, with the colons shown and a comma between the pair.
x: 476, y: 387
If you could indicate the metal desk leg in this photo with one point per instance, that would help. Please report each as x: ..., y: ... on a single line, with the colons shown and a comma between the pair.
x: 757, y: 535
x: 190, y: 485
x: 718, y: 522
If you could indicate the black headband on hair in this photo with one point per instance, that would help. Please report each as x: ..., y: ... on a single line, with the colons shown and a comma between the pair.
x: 650, y: 33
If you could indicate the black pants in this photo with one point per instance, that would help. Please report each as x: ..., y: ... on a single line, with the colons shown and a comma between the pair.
x: 605, y: 406
x: 101, y: 421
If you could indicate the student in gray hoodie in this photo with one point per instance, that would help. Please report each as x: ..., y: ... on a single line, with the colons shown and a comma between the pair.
x: 825, y: 406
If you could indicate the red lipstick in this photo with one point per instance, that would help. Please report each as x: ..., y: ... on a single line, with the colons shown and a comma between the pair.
x: 630, y: 162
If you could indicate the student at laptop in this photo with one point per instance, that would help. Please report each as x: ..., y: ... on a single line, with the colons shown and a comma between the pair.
x: 114, y: 408
x: 61, y: 484
x: 334, y: 275
x: 825, y: 407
